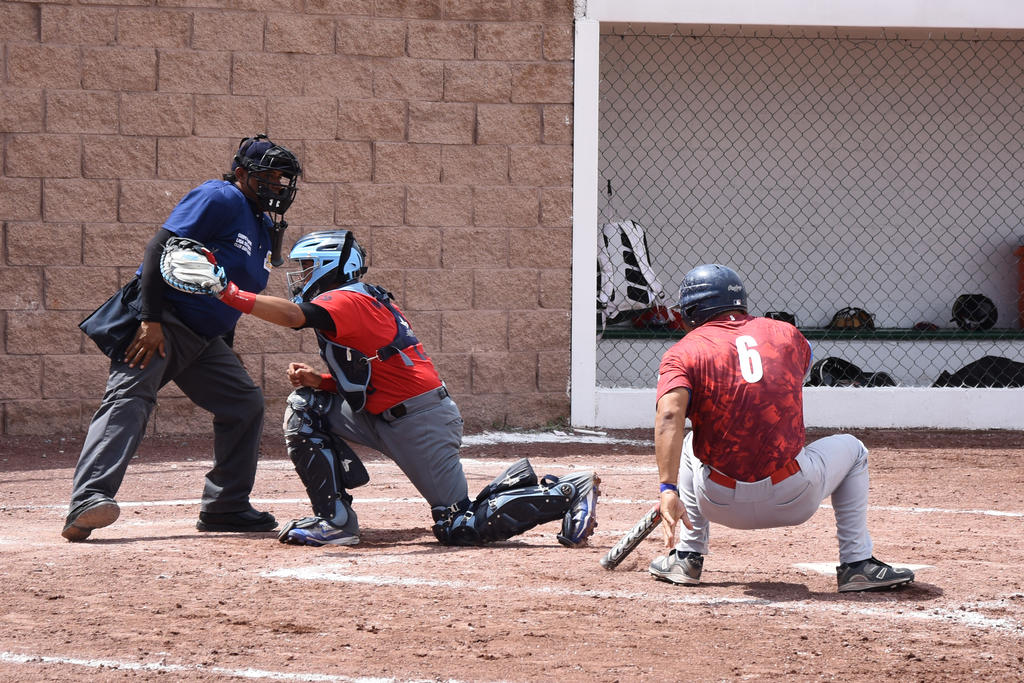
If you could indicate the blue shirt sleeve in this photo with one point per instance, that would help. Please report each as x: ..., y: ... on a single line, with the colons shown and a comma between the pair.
x: 200, y: 215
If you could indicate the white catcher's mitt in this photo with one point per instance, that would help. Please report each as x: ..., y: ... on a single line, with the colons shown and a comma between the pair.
x: 190, y: 267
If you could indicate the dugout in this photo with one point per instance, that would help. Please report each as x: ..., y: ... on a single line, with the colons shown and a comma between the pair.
x: 835, y: 154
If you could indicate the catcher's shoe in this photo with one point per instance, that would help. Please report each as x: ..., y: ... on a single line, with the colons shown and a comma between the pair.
x: 869, y: 575
x: 580, y: 521
x: 87, y: 516
x: 247, y: 520
x: 316, y: 531
x: 679, y: 568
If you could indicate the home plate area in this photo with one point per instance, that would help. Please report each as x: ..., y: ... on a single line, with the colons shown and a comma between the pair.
x: 150, y: 596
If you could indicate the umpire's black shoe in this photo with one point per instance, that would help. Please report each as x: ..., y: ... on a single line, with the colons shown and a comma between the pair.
x: 247, y: 520
x: 87, y: 516
x: 869, y: 575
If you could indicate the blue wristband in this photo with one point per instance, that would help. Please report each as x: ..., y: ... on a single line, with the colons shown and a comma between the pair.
x: 669, y: 487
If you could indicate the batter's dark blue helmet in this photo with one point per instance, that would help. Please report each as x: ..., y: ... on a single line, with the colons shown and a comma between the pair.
x: 709, y: 290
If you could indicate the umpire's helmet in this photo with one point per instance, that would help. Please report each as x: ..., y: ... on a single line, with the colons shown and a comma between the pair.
x: 258, y: 155
x: 334, y: 259
x: 709, y: 290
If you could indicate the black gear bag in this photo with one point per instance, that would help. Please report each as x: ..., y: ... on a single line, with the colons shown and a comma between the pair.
x: 113, y: 324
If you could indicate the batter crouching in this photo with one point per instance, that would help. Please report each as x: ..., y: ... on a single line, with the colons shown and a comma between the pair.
x: 383, y: 391
x: 744, y: 465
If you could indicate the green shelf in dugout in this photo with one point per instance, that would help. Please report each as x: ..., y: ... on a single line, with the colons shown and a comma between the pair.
x: 820, y: 333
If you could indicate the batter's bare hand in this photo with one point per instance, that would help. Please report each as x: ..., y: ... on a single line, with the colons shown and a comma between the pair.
x: 302, y: 375
x: 147, y: 342
x: 672, y: 511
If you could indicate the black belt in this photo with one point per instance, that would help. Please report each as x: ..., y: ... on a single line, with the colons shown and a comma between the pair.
x: 407, y: 406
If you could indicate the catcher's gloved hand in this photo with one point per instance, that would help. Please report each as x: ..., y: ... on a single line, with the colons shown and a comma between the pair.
x: 190, y: 267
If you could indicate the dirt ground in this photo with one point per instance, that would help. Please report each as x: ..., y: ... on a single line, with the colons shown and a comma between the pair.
x: 151, y: 598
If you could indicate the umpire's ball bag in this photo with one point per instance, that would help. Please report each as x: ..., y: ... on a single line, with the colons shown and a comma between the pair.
x: 113, y: 324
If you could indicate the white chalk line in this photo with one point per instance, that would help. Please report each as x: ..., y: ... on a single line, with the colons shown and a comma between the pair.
x: 160, y: 667
x: 960, y: 615
x: 414, y: 500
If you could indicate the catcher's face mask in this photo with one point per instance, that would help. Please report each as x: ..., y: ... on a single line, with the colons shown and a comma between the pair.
x: 297, y: 279
x: 328, y: 259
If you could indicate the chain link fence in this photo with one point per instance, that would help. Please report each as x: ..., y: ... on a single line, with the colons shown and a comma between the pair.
x: 883, y: 174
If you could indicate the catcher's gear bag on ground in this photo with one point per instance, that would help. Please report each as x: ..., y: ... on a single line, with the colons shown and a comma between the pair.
x: 974, y: 312
x: 988, y: 371
x: 851, y: 318
x: 326, y: 465
x: 188, y: 266
x: 516, y: 501
x: 836, y: 372
x: 626, y: 282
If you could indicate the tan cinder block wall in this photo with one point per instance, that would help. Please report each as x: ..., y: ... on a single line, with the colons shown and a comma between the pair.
x: 438, y: 130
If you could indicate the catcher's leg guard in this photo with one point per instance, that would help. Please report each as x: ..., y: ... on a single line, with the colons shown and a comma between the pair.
x: 581, y: 518
x: 502, y: 511
x: 316, y: 457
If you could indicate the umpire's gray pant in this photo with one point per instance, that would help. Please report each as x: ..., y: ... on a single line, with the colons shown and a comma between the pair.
x: 211, y: 375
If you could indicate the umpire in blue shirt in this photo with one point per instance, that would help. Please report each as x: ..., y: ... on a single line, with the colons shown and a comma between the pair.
x: 155, y: 335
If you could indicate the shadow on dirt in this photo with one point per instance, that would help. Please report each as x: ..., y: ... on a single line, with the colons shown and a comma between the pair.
x: 780, y: 591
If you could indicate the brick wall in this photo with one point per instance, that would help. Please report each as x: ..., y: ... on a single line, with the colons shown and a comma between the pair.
x: 438, y: 130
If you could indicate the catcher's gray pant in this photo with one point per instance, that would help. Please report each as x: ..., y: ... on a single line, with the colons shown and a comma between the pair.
x: 424, y: 442
x: 835, y: 466
x: 211, y: 375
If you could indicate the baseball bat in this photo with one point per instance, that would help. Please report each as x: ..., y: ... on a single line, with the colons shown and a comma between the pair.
x: 628, y: 543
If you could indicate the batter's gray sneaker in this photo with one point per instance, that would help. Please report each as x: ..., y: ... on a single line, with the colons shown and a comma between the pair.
x: 676, y: 567
x: 87, y: 516
x: 869, y: 575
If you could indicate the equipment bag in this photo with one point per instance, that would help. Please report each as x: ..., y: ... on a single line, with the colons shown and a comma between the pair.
x: 988, y: 371
x: 113, y: 324
x: 837, y: 372
x: 626, y: 282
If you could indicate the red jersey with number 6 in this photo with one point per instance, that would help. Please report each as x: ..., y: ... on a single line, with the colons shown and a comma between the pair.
x: 745, y: 376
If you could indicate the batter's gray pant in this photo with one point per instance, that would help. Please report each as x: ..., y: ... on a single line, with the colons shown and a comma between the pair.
x: 424, y: 443
x: 835, y: 466
x: 210, y: 374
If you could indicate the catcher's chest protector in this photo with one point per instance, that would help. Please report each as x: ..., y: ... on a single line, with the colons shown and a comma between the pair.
x: 350, y: 367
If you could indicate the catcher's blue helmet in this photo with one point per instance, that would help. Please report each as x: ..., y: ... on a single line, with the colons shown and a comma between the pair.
x: 337, y: 259
x: 709, y: 290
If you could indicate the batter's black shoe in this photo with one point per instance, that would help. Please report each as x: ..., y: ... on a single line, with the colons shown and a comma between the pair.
x: 676, y: 567
x: 87, y: 516
x: 248, y: 520
x: 870, y: 575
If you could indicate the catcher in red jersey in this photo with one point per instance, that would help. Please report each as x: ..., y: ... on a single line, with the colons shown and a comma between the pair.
x: 744, y: 465
x: 381, y: 390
